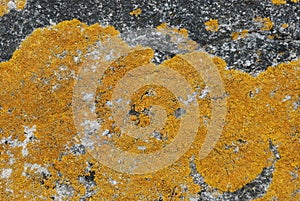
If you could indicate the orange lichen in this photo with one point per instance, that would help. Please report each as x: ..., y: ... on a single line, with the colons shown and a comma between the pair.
x: 285, y: 25
x: 279, y: 2
x: 136, y: 12
x: 267, y: 23
x: 244, y: 33
x: 6, y: 4
x: 212, y: 25
x: 237, y: 35
x: 37, y: 88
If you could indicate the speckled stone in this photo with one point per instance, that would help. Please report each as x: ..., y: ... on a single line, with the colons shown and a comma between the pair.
x: 252, y: 54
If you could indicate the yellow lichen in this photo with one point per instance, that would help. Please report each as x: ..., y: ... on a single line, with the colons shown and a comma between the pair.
x: 285, y: 25
x: 4, y: 5
x: 212, y: 25
x: 136, y: 12
x: 37, y: 88
x: 279, y: 2
x: 267, y: 23
x: 237, y: 35
x: 244, y: 33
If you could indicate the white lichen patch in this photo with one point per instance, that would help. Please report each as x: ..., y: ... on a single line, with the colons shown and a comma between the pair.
x: 36, y: 167
x: 55, y: 87
x: 141, y: 148
x: 194, y: 198
x: 109, y: 103
x: 87, y: 97
x: 29, y: 133
x: 296, y: 105
x: 286, y: 98
x: 90, y: 127
x: 113, y: 182
x: 12, y: 5
x: 77, y: 58
x: 105, y: 132
x: 204, y: 92
x: 29, y: 137
x: 6, y: 173
x: 189, y: 99
x: 63, y: 191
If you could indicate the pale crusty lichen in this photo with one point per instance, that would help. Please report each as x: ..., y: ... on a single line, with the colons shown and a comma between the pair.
x: 36, y: 89
x: 6, y: 5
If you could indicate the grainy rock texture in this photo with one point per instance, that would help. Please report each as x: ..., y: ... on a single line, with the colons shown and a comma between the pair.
x: 259, y: 48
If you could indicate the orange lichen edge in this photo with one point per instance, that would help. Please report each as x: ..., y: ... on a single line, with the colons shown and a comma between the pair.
x: 136, y: 12
x: 166, y: 29
x: 212, y: 25
x: 4, y: 6
x: 36, y: 91
x: 177, y: 35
